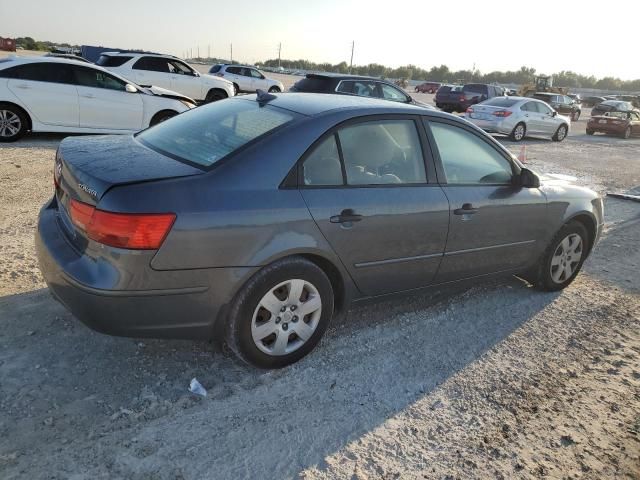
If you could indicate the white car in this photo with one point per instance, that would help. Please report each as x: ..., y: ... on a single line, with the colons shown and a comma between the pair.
x: 246, y: 79
x: 169, y: 72
x: 44, y: 94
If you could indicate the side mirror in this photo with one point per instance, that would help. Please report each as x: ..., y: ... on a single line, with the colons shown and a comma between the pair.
x: 130, y: 88
x: 528, y: 179
x: 554, y: 114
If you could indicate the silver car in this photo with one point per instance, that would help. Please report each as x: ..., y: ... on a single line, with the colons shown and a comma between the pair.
x: 519, y: 117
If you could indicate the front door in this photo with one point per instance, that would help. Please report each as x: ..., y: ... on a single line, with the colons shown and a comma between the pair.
x: 185, y: 80
x: 104, y: 101
x: 47, y: 91
x: 367, y: 189
x: 495, y: 224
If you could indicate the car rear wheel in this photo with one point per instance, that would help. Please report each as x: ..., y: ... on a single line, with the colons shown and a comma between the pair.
x: 280, y: 315
x: 214, y: 95
x: 560, y: 134
x: 576, y: 116
x: 590, y: 132
x: 518, y: 132
x: 236, y: 89
x: 627, y: 133
x: 162, y: 116
x: 563, y: 259
x: 274, y: 90
x: 13, y: 123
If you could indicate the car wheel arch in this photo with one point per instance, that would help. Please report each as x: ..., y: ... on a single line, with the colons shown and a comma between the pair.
x: 161, y: 113
x: 23, y: 110
x: 588, y: 221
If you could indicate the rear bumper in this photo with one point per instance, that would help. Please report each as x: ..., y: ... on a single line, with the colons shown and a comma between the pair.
x: 611, y: 129
x: 492, y: 126
x: 177, y: 304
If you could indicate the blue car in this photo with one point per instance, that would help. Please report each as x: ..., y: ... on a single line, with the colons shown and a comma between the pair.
x: 255, y: 220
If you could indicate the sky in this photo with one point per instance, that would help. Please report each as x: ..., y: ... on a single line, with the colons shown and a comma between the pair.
x: 588, y: 37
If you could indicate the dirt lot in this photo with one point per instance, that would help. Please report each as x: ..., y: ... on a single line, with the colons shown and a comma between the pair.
x: 495, y: 381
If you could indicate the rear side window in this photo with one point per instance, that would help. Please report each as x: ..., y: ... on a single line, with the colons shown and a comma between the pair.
x: 215, y: 69
x: 152, y: 64
x: 312, y: 85
x: 322, y: 166
x: 234, y: 70
x: 112, y: 61
x: 207, y: 134
x: 40, y: 72
x: 505, y: 102
x: 468, y: 159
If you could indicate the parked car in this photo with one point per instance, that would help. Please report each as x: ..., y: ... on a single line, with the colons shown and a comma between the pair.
x: 246, y: 220
x: 443, y: 94
x: 167, y: 71
x: 624, y: 124
x: 428, y: 87
x: 575, y: 97
x: 469, y: 94
x: 561, y: 103
x: 592, y: 101
x: 512, y: 92
x: 246, y: 79
x: 68, y: 56
x: 519, y: 117
x: 353, y: 85
x: 611, y: 106
x: 633, y: 99
x: 44, y: 94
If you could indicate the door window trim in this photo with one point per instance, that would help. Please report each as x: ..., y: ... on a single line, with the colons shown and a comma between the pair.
x: 428, y: 160
x: 435, y: 152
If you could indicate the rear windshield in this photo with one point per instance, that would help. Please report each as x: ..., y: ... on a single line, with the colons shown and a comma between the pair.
x: 475, y: 88
x: 312, y: 84
x: 215, y: 69
x: 500, y: 102
x: 209, y: 133
x: 111, y: 61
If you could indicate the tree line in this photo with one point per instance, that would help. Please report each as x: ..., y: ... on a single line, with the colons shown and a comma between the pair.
x: 442, y: 73
x: 29, y: 43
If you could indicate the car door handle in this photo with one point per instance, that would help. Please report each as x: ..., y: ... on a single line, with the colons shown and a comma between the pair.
x: 346, y: 216
x: 23, y: 86
x: 467, y: 209
x: 87, y: 95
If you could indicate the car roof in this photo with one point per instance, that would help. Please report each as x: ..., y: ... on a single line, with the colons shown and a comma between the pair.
x: 343, y: 76
x: 12, y: 61
x: 312, y: 104
x: 124, y: 53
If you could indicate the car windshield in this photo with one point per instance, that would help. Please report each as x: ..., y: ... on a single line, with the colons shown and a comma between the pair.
x: 207, y: 134
x: 500, y: 102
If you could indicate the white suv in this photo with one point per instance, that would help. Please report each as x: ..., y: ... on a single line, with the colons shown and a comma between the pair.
x: 169, y: 72
x: 246, y: 79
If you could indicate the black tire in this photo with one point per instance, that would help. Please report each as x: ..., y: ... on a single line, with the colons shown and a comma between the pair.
x: 576, y: 116
x: 14, y: 122
x: 627, y: 133
x: 236, y: 89
x: 559, y: 135
x: 162, y: 116
x: 215, y: 94
x: 274, y: 90
x: 541, y: 275
x: 241, y: 314
x: 590, y: 132
x: 515, y: 133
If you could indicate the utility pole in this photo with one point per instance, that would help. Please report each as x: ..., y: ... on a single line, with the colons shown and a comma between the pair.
x: 209, y: 51
x: 353, y: 44
x: 198, y: 47
x: 232, y: 53
x: 279, y: 50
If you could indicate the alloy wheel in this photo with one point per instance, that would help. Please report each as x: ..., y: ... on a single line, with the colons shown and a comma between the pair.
x: 10, y: 123
x: 566, y: 258
x: 562, y: 132
x: 519, y: 132
x: 286, y: 317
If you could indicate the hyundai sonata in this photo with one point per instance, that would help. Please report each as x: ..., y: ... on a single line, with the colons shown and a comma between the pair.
x: 254, y: 220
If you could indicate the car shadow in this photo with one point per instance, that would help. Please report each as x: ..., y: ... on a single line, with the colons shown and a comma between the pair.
x: 39, y: 140
x: 100, y: 391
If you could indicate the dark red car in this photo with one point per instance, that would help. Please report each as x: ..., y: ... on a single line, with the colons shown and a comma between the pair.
x: 624, y: 124
x: 428, y: 87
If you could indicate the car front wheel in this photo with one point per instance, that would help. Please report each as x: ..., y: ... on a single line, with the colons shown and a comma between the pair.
x: 627, y: 133
x: 280, y: 315
x: 560, y: 134
x: 576, y: 116
x: 274, y: 90
x: 161, y: 117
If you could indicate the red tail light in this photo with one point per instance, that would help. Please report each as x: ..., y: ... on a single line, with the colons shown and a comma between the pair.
x: 502, y: 113
x: 140, y: 231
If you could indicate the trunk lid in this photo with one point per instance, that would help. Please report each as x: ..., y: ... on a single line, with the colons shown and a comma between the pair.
x: 87, y: 167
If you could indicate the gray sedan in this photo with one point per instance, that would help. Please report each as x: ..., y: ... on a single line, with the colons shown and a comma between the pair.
x: 255, y: 220
x: 519, y: 117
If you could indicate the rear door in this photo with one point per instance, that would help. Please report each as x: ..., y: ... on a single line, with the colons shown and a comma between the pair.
x: 495, y: 225
x: 368, y: 190
x: 47, y: 90
x: 104, y: 101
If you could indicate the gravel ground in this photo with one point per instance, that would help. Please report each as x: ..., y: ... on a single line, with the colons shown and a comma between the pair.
x: 493, y: 381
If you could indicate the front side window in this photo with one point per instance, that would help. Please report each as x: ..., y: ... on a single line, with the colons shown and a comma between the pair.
x: 88, y: 77
x: 322, y: 167
x: 543, y: 108
x: 467, y: 159
x: 207, y: 134
x: 392, y: 93
x: 382, y: 152
x: 179, y: 68
x: 255, y: 74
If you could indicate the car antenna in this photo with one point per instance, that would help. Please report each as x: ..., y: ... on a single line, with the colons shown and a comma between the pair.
x: 264, y: 97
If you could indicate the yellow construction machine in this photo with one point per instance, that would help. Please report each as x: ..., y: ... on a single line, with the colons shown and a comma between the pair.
x: 541, y: 84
